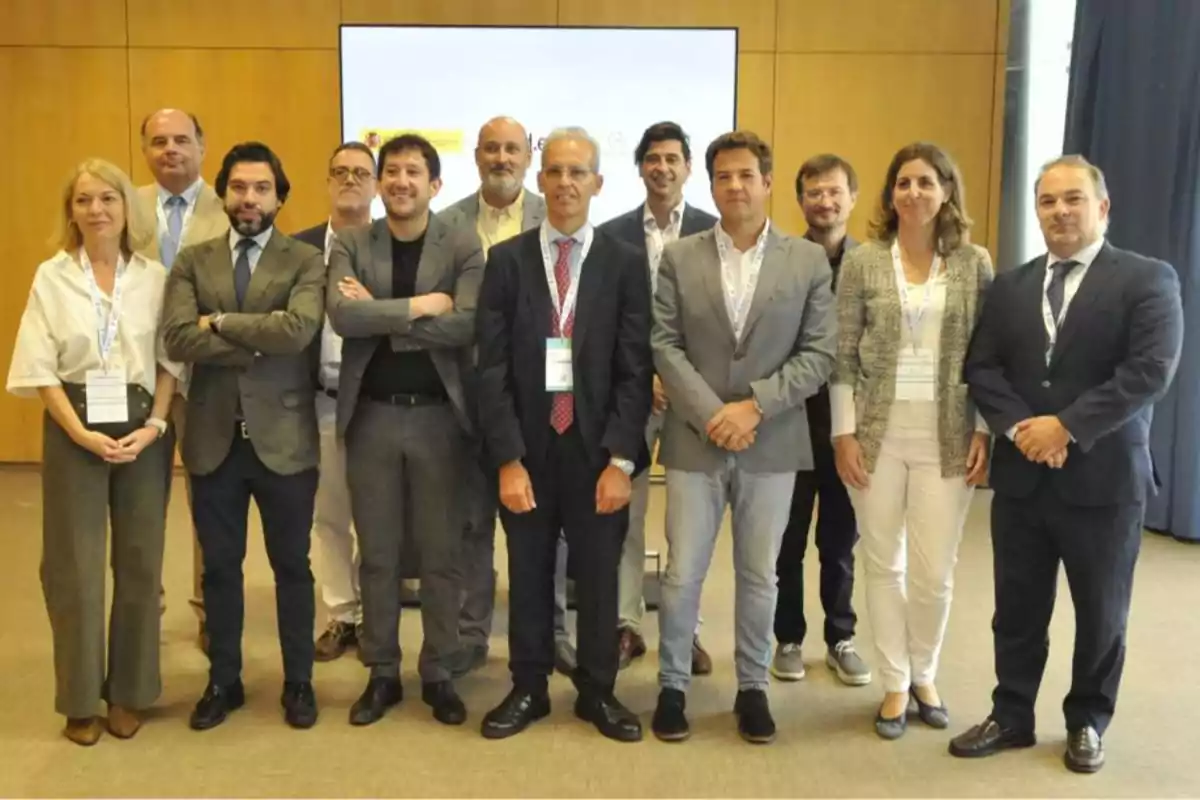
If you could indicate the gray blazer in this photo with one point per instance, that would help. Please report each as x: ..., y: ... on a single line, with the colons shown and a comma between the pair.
x: 465, y: 212
x: 786, y: 352
x: 451, y: 263
x: 260, y: 358
x: 869, y: 319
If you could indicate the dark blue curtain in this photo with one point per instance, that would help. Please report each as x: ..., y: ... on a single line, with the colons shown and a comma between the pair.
x: 1134, y: 110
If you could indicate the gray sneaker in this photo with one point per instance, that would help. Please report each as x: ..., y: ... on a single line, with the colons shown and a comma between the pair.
x: 788, y: 664
x: 844, y: 660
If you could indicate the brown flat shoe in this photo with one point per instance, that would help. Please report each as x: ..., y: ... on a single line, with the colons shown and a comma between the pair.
x: 85, y: 732
x: 123, y: 723
x: 701, y: 660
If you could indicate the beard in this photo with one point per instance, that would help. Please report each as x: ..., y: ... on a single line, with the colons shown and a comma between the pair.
x: 504, y: 184
x: 251, y: 227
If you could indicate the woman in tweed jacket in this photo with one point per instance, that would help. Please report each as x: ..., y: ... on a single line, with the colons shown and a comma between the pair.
x: 907, y: 441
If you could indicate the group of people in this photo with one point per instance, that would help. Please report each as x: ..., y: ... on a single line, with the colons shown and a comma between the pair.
x: 395, y: 385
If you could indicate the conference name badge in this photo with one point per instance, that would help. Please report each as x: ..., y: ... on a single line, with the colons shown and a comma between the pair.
x: 916, y: 375
x: 559, y: 373
x: 107, y: 396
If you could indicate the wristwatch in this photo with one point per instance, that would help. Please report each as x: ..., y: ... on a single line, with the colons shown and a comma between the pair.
x: 158, y: 425
x: 215, y: 321
x: 623, y: 464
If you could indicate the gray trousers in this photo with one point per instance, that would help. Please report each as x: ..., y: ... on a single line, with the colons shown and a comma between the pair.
x: 479, y: 558
x: 81, y: 495
x: 405, y: 467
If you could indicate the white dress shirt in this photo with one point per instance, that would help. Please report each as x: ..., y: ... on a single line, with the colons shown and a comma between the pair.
x: 658, y: 238
x: 256, y: 252
x: 58, y: 340
x: 739, y: 274
x: 331, y: 343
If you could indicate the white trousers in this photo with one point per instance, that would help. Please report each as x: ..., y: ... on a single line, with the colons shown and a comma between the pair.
x: 337, y: 557
x: 910, y: 521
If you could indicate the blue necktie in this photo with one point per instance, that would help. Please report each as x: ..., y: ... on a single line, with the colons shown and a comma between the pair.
x: 175, y: 207
x: 1055, y: 291
x: 241, y: 270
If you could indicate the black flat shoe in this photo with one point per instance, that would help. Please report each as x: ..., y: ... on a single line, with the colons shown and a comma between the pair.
x: 933, y: 716
x: 890, y: 728
x: 988, y: 738
x: 670, y: 722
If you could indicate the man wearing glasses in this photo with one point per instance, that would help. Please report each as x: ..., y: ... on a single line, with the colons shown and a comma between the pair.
x: 351, y: 190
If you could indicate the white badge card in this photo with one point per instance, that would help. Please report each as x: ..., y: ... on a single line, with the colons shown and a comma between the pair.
x: 107, y: 396
x: 916, y: 375
x: 559, y: 374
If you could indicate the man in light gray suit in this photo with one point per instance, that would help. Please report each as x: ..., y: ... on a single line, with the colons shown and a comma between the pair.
x: 402, y: 295
x: 745, y: 331
x: 500, y: 209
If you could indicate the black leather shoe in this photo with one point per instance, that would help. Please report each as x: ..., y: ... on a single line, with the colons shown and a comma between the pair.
x: 1085, y: 751
x: 610, y: 717
x: 515, y: 713
x: 380, y: 695
x: 670, y: 723
x: 447, y: 706
x: 216, y: 704
x: 299, y: 704
x: 988, y: 738
x: 933, y: 716
x: 755, y: 723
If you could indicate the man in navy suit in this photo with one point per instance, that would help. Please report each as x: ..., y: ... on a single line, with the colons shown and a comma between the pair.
x: 664, y: 160
x: 1072, y: 351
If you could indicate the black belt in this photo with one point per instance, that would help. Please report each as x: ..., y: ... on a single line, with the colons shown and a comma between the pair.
x: 408, y: 399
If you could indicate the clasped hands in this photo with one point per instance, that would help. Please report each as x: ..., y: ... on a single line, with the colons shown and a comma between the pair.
x: 1043, y: 440
x: 733, y: 427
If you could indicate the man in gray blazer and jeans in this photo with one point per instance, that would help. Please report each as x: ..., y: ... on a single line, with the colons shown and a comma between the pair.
x: 402, y: 295
x: 745, y: 331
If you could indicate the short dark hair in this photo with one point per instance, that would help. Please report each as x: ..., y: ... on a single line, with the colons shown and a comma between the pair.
x: 357, y: 146
x: 739, y: 140
x: 195, y: 123
x: 819, y: 165
x: 662, y: 132
x: 410, y: 141
x: 253, y: 153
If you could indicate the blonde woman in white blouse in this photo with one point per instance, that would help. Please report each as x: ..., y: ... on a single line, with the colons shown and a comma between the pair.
x: 89, y: 347
x: 907, y: 441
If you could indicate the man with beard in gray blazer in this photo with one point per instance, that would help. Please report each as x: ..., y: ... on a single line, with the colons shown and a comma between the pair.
x: 402, y: 295
x: 499, y: 210
x: 745, y: 331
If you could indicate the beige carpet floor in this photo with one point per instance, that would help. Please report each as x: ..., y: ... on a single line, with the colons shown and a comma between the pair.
x: 826, y: 746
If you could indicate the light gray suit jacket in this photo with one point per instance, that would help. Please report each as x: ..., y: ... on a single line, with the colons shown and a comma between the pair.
x: 259, y: 359
x: 465, y: 212
x: 786, y: 352
x: 451, y: 263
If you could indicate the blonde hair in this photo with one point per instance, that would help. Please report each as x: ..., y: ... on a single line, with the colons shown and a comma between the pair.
x: 138, y: 232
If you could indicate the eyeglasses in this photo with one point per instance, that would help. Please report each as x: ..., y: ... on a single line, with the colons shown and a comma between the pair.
x: 341, y: 174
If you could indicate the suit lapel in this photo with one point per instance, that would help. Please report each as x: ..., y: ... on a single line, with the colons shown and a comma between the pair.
x: 693, y: 222
x: 265, y: 269
x: 431, y: 256
x: 379, y: 282
x: 710, y: 274
x: 635, y: 233
x: 591, y: 283
x: 768, y: 275
x: 537, y: 293
x: 1031, y: 298
x: 1085, y: 297
x: 223, y: 279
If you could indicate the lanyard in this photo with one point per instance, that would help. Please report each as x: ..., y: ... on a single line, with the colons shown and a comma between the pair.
x: 913, y: 316
x: 106, y: 324
x: 1052, y: 325
x: 749, y: 277
x: 566, y: 310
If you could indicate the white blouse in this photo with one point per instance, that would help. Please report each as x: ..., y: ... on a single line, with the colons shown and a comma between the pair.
x: 58, y: 340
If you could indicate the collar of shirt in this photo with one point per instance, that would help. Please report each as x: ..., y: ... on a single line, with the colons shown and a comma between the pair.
x: 329, y: 237
x: 579, y: 236
x: 260, y: 240
x: 189, y: 194
x: 515, y: 209
x: 1085, y: 257
x: 732, y: 248
x: 676, y: 218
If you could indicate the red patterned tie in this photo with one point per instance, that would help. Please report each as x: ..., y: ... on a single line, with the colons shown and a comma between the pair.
x: 562, y: 409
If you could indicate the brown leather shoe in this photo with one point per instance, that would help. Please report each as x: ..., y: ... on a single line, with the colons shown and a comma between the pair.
x: 632, y: 646
x: 336, y: 639
x: 123, y: 723
x: 701, y: 660
x: 85, y: 732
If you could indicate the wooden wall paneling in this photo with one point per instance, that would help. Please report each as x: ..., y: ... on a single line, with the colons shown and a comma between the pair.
x: 288, y: 99
x: 73, y: 104
x: 755, y: 106
x: 1003, y: 25
x: 887, y: 26
x: 234, y: 24
x: 853, y: 105
x: 754, y: 18
x: 451, y: 12
x: 62, y: 23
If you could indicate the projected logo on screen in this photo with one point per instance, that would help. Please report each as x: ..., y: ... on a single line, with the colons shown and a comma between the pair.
x: 443, y: 141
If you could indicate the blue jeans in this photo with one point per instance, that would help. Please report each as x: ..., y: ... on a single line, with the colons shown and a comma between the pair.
x: 696, y: 504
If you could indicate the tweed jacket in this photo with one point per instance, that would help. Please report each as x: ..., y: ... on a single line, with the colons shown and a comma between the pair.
x: 869, y: 320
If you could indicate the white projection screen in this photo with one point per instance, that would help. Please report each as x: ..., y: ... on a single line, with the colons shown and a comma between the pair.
x: 445, y: 82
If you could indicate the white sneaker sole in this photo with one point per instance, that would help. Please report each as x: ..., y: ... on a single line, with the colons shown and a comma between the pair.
x: 788, y: 676
x: 846, y: 677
